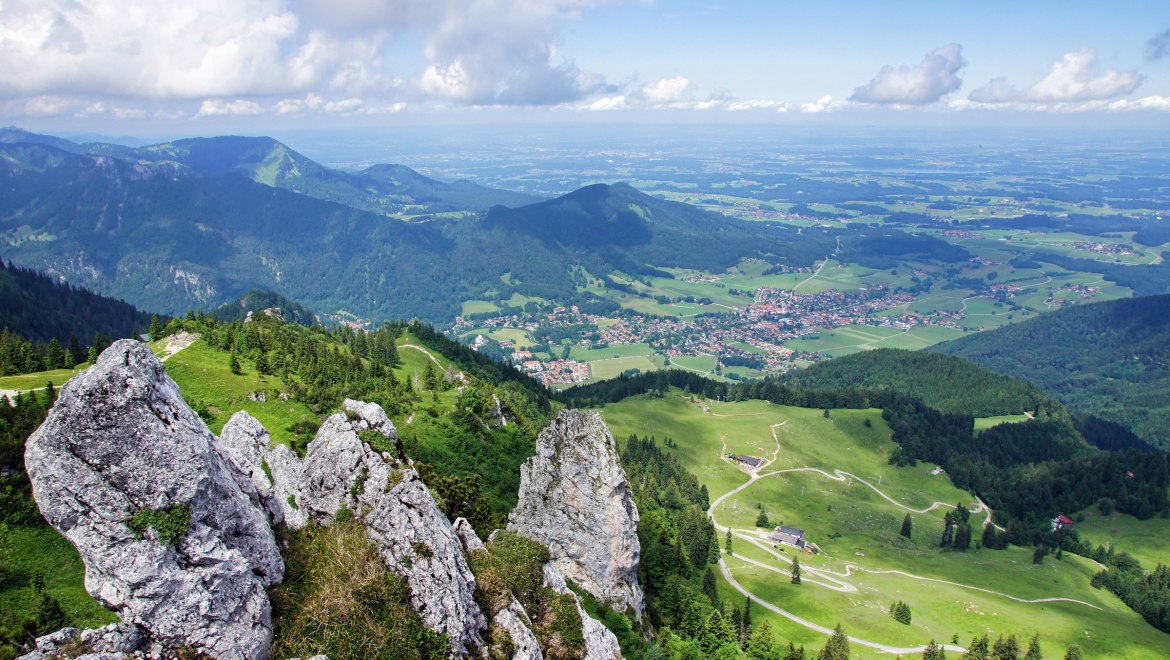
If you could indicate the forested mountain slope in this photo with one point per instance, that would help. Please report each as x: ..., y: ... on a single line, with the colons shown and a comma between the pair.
x: 1111, y: 359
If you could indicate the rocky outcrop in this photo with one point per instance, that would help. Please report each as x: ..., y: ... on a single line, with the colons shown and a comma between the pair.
x: 121, y: 448
x: 342, y: 471
x: 514, y: 622
x: 600, y: 643
x: 245, y: 442
x: 574, y: 498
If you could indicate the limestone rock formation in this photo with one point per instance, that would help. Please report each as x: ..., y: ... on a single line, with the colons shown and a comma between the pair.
x: 245, y: 442
x: 514, y: 621
x: 574, y: 498
x: 120, y: 447
x: 600, y: 643
x: 413, y: 536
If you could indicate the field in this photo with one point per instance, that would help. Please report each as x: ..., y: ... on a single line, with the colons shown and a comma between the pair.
x: 205, y: 381
x: 829, y: 476
x: 1147, y: 540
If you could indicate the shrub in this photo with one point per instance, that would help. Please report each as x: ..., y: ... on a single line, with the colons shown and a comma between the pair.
x: 169, y: 524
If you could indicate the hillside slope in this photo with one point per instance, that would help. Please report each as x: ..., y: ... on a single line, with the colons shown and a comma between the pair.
x: 945, y: 383
x: 1111, y: 359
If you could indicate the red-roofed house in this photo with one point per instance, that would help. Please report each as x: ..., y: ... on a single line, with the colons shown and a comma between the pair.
x: 1062, y: 522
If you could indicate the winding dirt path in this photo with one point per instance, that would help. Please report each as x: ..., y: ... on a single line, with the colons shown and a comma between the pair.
x: 835, y: 580
x: 822, y: 629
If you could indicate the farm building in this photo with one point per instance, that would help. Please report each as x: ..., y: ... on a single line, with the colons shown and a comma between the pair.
x: 1062, y: 522
x: 749, y: 461
x: 789, y: 536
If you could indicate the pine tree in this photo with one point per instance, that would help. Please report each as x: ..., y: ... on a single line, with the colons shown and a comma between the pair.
x: 1006, y: 649
x: 745, y: 628
x: 54, y: 355
x: 978, y: 649
x: 762, y: 645
x: 1074, y: 653
x: 794, y: 652
x: 262, y: 365
x: 713, y: 546
x: 234, y: 365
x: 762, y: 520
x: 933, y: 652
x: 1034, y: 649
x: 907, y: 525
x: 156, y: 327
x: 709, y: 587
x: 796, y: 570
x: 838, y: 646
x: 727, y: 546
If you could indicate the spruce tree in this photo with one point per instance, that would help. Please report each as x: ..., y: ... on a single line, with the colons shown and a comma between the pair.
x: 1034, y: 649
x: 838, y: 646
x: 933, y: 652
x: 727, y: 546
x: 745, y: 627
x: 234, y: 364
x: 709, y: 587
x: 1074, y: 653
x: 978, y: 649
x: 794, y: 652
x: 762, y: 645
x: 907, y: 525
x: 796, y: 570
x: 762, y: 520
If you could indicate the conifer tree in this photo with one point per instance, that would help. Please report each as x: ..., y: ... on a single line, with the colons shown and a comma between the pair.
x: 762, y: 520
x: 727, y: 546
x: 978, y: 649
x: 794, y: 652
x: 796, y: 570
x: 234, y: 365
x: 1034, y: 649
x: 838, y: 646
x: 933, y: 652
x: 709, y: 587
x: 907, y: 525
x: 762, y: 645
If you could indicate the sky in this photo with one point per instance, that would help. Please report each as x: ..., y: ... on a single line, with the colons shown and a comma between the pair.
x: 138, y: 67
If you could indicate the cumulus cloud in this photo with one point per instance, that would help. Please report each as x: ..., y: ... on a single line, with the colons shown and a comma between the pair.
x: 464, y: 51
x: 1073, y: 78
x: 220, y: 108
x: 1158, y: 47
x: 936, y: 76
x: 668, y: 91
x: 823, y: 104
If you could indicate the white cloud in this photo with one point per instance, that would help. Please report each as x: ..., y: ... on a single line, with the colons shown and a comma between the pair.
x: 344, y: 105
x: 476, y: 51
x: 1073, y: 78
x: 823, y: 104
x: 144, y: 49
x: 608, y: 103
x: 933, y: 78
x: 755, y: 104
x: 668, y: 91
x: 220, y: 107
